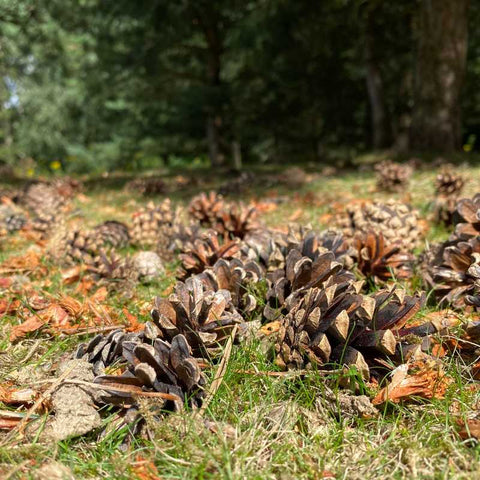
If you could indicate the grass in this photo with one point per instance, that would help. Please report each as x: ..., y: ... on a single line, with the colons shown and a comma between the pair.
x: 257, y: 426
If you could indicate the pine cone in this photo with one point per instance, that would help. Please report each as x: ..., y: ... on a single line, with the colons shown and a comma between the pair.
x: 204, y: 252
x: 12, y: 218
x: 447, y: 270
x: 152, y: 365
x: 206, y: 208
x: 328, y: 324
x: 398, y: 222
x: 467, y: 217
x: 392, y: 177
x: 448, y: 186
x: 69, y: 246
x: 230, y: 220
x: 113, y: 233
x: 236, y: 277
x: 379, y: 261
x: 206, y: 318
x: 307, y: 266
x: 149, y: 223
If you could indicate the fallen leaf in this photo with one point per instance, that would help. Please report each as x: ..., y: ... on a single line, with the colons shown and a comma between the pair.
x: 9, y: 307
x: 85, y: 285
x: 72, y: 275
x: 32, y: 324
x: 10, y: 394
x: 100, y: 295
x: 295, y: 215
x: 54, y: 315
x: 145, y: 469
x: 422, y: 378
x: 134, y: 325
x: 270, y: 328
x: 5, y: 282
x: 469, y: 429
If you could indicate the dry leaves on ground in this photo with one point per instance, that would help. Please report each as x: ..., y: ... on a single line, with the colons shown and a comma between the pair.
x: 421, y: 378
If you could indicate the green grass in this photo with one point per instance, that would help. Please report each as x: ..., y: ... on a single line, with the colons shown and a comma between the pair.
x: 257, y: 426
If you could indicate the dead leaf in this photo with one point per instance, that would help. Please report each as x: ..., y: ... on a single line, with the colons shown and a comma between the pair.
x: 32, y: 324
x: 72, y: 275
x: 5, y: 282
x: 10, y: 394
x: 9, y: 307
x: 469, y: 429
x: 100, y: 295
x: 270, y: 328
x: 85, y: 285
x: 422, y: 378
x: 295, y: 215
x: 134, y: 325
x: 145, y: 469
x: 21, y: 263
x: 54, y: 315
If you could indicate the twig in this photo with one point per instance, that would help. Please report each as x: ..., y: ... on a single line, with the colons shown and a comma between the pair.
x: 88, y: 330
x: 124, y: 388
x: 219, y: 374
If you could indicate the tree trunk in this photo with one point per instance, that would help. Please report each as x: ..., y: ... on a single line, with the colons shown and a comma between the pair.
x: 375, y: 87
x: 211, y: 31
x: 440, y: 69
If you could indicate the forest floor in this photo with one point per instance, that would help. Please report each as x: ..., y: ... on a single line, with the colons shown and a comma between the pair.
x: 257, y: 425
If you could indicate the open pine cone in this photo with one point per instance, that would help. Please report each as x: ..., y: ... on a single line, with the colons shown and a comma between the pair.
x: 236, y: 277
x: 113, y: 233
x: 397, y: 221
x: 228, y: 219
x: 448, y: 186
x: 447, y: 270
x: 206, y: 318
x: 204, y: 252
x: 392, y: 176
x: 151, y: 365
x: 305, y: 267
x: 331, y: 325
x: 149, y: 223
x: 379, y: 261
x: 467, y: 217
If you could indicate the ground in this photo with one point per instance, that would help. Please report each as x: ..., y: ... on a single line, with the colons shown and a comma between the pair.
x: 256, y: 426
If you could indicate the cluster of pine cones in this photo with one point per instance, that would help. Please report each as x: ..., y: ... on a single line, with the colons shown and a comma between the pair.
x: 326, y: 297
x: 313, y: 290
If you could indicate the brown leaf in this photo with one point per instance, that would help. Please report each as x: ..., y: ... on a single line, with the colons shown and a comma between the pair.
x: 32, y: 324
x: 72, y: 275
x: 295, y: 215
x: 469, y: 429
x: 9, y: 307
x: 100, y: 295
x: 10, y: 394
x: 85, y: 285
x: 9, y: 420
x: 422, y: 378
x: 145, y: 469
x: 134, y: 324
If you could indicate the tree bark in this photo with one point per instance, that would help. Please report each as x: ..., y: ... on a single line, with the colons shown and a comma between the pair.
x: 209, y: 23
x: 440, y: 71
x: 375, y: 87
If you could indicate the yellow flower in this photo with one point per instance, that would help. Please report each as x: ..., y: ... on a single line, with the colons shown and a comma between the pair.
x: 467, y: 147
x: 30, y: 172
x: 55, y: 165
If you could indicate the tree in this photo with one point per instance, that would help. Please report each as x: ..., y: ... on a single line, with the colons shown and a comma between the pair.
x: 440, y: 72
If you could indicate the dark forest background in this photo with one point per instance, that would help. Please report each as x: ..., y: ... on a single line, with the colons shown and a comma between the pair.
x: 114, y: 84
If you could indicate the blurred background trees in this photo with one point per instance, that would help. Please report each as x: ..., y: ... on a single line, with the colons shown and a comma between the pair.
x: 104, y: 84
